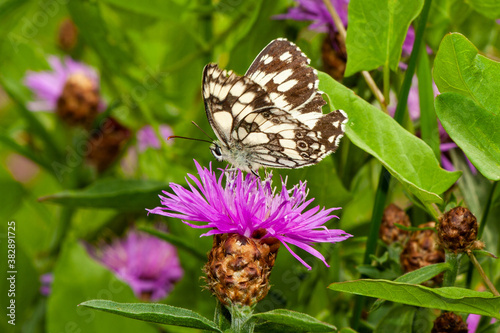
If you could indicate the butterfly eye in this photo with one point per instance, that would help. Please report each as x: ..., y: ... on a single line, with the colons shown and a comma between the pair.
x: 216, y: 152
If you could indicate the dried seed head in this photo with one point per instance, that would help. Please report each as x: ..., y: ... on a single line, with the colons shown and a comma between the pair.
x: 334, y: 57
x: 389, y: 232
x: 68, y: 35
x: 79, y: 101
x: 105, y: 144
x: 448, y: 322
x: 422, y: 250
x: 238, y: 268
x: 457, y: 229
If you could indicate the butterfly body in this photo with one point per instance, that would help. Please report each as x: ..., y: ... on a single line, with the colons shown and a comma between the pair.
x: 272, y: 115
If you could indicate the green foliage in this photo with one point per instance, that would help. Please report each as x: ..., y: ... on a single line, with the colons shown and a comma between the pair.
x: 408, y: 158
x: 155, y: 313
x: 122, y: 194
x: 448, y: 298
x: 281, y: 320
x: 376, y: 33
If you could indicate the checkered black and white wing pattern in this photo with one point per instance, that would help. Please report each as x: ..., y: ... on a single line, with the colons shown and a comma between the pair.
x: 229, y: 98
x: 271, y: 116
x: 283, y: 70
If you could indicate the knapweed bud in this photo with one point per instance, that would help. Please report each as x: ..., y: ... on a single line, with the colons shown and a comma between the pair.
x: 106, y: 143
x: 448, y: 322
x: 421, y: 250
x: 334, y: 56
x: 79, y: 100
x: 457, y: 229
x: 238, y: 268
x: 389, y: 232
x: 68, y: 35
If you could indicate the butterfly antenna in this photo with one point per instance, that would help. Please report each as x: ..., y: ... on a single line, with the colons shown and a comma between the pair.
x: 201, y: 129
x: 183, y: 137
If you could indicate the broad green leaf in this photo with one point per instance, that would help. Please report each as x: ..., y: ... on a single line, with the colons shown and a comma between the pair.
x: 416, y: 277
x: 399, y: 319
x: 156, y: 313
x: 474, y: 129
x: 448, y: 299
x: 406, y: 157
x: 459, y: 68
x: 376, y: 32
x: 121, y: 194
x: 489, y: 8
x: 290, y: 321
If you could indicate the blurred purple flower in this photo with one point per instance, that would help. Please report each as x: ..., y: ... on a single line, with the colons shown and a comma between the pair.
x: 473, y: 322
x: 246, y: 204
x: 146, y: 137
x: 149, y: 265
x: 46, y: 283
x: 48, y: 85
x: 316, y: 11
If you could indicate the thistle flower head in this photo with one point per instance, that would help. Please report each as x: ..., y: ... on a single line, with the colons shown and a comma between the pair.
x: 150, y: 266
x: 247, y: 205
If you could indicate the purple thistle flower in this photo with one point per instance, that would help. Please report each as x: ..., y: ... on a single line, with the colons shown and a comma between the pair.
x: 246, y: 204
x: 46, y: 283
x: 149, y: 265
x: 316, y: 11
x: 48, y: 85
x: 146, y: 137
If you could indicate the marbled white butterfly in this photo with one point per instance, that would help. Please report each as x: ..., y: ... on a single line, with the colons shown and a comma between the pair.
x: 272, y: 115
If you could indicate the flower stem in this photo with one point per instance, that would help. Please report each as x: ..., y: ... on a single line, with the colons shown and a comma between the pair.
x: 450, y: 275
x: 485, y: 278
x: 385, y: 176
x: 241, y: 321
x: 368, y: 78
x: 486, y: 211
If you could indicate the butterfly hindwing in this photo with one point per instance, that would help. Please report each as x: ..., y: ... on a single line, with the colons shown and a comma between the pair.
x: 283, y: 70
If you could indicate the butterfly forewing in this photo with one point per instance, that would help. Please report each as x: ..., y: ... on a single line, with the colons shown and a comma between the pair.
x: 283, y: 70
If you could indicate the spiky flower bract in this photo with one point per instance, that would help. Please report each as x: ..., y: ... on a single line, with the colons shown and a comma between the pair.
x: 245, y: 204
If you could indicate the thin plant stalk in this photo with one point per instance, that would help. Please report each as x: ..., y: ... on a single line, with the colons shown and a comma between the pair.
x: 385, y: 176
x: 483, y: 275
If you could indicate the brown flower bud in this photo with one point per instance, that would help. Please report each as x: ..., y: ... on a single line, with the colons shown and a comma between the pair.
x: 334, y: 58
x: 106, y: 143
x: 457, y: 229
x: 389, y: 233
x: 448, y: 322
x: 422, y: 250
x: 79, y: 101
x: 238, y: 268
x: 67, y: 35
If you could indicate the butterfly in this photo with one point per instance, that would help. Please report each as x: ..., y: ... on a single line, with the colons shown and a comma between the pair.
x: 271, y: 116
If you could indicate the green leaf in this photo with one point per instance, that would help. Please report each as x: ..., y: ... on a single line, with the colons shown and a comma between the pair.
x: 406, y: 157
x: 290, y: 321
x: 121, y: 194
x: 156, y: 313
x: 474, y: 129
x: 459, y: 68
x: 448, y: 299
x: 399, y: 319
x: 376, y: 32
x: 489, y: 8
